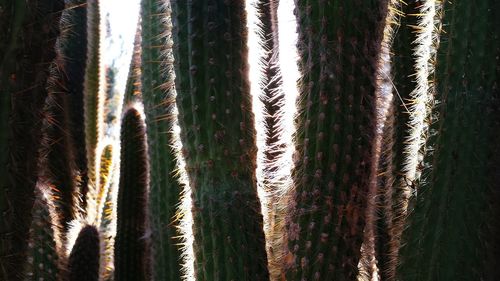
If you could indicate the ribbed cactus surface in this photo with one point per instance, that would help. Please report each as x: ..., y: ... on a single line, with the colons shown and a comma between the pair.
x: 44, y: 243
x: 339, y: 44
x: 448, y: 237
x: 394, y: 174
x: 94, y: 95
x: 217, y: 130
x: 132, y: 252
x: 395, y: 179
x: 157, y: 82
x: 31, y: 29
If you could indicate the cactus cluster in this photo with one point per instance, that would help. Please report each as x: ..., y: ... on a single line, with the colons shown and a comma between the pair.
x: 394, y: 171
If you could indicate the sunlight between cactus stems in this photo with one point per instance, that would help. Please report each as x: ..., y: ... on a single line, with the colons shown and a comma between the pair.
x: 120, y: 27
x: 273, y: 184
x: 274, y: 181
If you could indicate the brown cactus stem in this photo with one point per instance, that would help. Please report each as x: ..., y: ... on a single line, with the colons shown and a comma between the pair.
x: 83, y: 263
x: 394, y: 180
x: 132, y: 242
x: 74, y: 51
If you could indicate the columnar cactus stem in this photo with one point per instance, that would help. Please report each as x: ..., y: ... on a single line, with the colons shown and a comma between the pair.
x: 73, y: 48
x: 448, y: 236
x: 400, y: 143
x: 12, y: 14
x: 217, y: 130
x: 339, y: 45
x: 158, y: 93
x: 83, y: 262
x: 94, y: 97
x: 44, y: 242
x: 132, y: 243
x: 32, y: 27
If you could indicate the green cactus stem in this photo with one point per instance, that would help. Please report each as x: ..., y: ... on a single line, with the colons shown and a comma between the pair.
x: 32, y: 29
x: 395, y: 179
x: 449, y: 236
x: 132, y: 242
x: 218, y: 136
x: 83, y: 262
x: 44, y: 242
x: 157, y: 83
x: 339, y: 47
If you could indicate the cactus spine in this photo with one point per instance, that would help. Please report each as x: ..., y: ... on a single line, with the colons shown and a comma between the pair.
x: 217, y: 130
x: 450, y: 223
x: 339, y: 45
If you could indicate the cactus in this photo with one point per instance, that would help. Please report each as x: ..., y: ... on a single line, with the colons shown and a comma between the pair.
x: 157, y: 82
x: 83, y: 262
x: 387, y: 184
x: 399, y: 139
x: 132, y: 252
x: 449, y: 224
x: 339, y: 44
x: 73, y: 49
x: 44, y: 242
x: 94, y: 95
x: 270, y: 128
x: 24, y: 73
x: 217, y: 131
x: 106, y: 165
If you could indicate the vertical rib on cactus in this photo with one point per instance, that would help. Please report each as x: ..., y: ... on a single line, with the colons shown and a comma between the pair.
x: 24, y: 70
x: 56, y: 155
x: 217, y: 130
x: 83, y: 263
x: 132, y: 252
x: 94, y: 97
x: 158, y: 94
x: 398, y: 142
x: 339, y: 45
x: 44, y: 242
x: 447, y: 238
